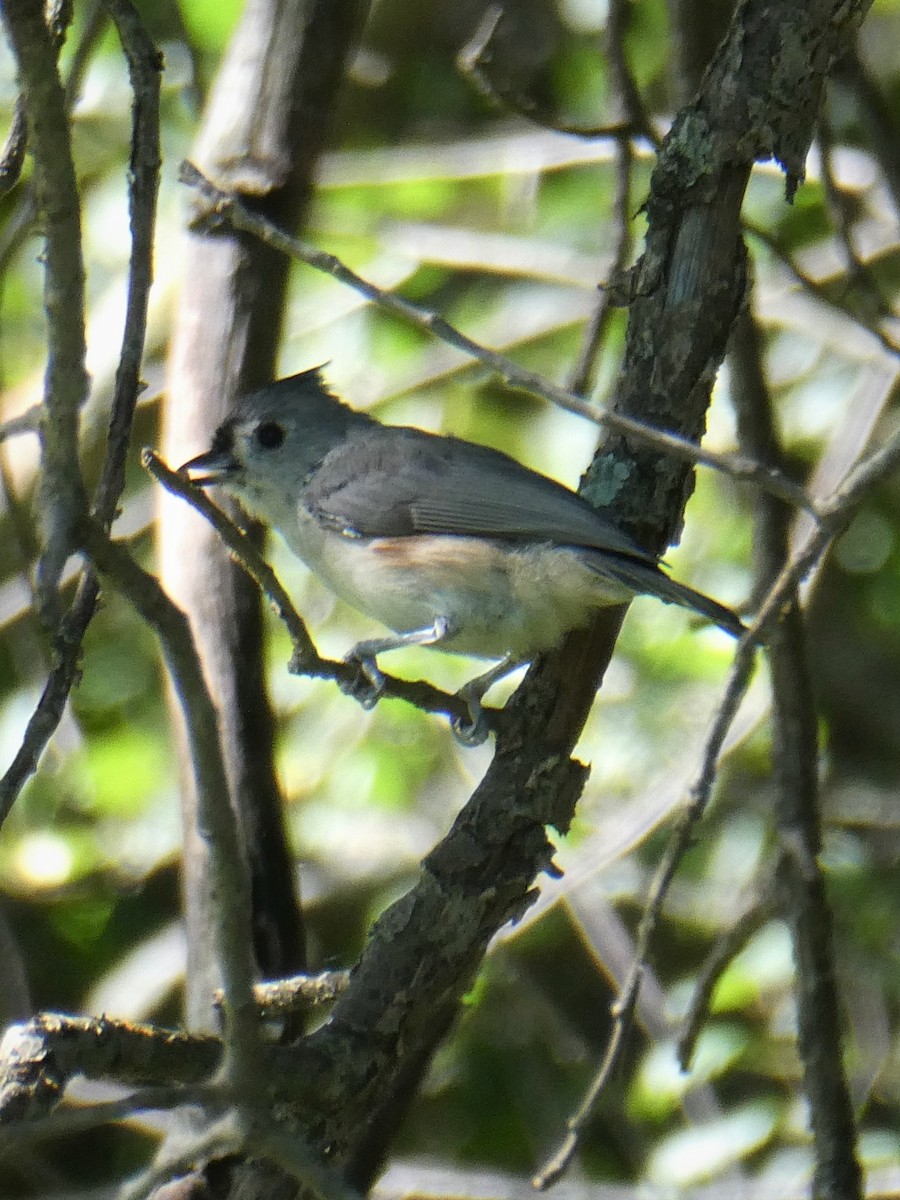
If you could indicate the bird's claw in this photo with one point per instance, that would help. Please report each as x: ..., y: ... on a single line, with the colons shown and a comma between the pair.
x: 368, y: 683
x: 473, y: 732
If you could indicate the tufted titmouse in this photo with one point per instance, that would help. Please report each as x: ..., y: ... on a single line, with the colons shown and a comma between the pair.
x: 444, y: 541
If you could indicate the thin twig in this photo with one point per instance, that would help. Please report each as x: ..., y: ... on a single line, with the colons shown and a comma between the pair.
x: 818, y: 290
x: 795, y: 759
x: 628, y: 98
x: 596, y: 328
x: 225, y: 207
x: 244, y: 552
x: 280, y: 997
x: 623, y: 1014
x: 47, y: 715
x: 878, y: 115
x: 20, y: 221
x: 12, y: 156
x: 836, y: 512
x: 473, y: 61
x: 840, y: 206
x: 26, y: 422
x: 628, y: 93
x: 679, y: 843
x: 91, y: 27
x: 65, y: 382
x: 144, y: 66
x: 717, y: 962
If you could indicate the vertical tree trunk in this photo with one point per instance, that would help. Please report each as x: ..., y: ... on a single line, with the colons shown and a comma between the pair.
x: 265, y: 126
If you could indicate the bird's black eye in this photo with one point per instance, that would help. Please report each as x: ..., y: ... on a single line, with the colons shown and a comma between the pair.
x: 269, y: 435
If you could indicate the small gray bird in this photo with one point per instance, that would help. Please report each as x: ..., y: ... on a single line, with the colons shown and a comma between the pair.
x: 444, y: 541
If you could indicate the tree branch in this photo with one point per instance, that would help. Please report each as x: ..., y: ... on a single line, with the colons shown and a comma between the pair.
x: 144, y: 66
x: 244, y: 1061
x: 65, y: 381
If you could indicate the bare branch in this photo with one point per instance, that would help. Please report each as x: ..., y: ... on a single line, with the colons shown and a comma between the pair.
x: 26, y: 422
x: 47, y: 715
x: 841, y: 205
x: 40, y: 1056
x: 12, y: 157
x: 878, y: 115
x: 723, y: 954
x: 795, y: 755
x: 820, y: 291
x: 840, y: 508
x: 628, y: 98
x: 144, y: 65
x: 474, y: 60
x: 244, y: 1062
x: 65, y: 382
x: 278, y: 997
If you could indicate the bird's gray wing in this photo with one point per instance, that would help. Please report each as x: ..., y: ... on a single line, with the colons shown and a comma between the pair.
x: 389, y: 481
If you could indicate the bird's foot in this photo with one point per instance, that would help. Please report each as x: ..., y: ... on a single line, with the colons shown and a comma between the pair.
x: 476, y: 730
x: 473, y: 732
x: 368, y: 683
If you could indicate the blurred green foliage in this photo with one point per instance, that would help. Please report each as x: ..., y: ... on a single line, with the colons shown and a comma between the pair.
x: 506, y: 229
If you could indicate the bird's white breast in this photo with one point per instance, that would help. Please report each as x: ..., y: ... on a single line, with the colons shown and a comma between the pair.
x: 499, y: 597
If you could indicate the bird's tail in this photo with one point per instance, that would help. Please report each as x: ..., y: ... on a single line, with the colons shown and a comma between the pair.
x: 646, y: 578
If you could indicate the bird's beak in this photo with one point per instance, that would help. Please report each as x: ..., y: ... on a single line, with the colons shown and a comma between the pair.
x: 216, y: 466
